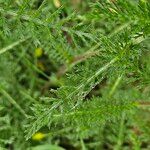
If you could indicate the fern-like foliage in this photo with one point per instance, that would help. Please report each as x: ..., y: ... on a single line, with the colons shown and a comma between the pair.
x: 119, y: 51
x: 96, y: 60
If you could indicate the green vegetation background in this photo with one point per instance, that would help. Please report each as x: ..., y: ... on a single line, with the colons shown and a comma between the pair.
x: 74, y: 74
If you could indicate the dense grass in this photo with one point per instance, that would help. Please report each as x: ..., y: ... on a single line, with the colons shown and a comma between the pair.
x: 74, y: 74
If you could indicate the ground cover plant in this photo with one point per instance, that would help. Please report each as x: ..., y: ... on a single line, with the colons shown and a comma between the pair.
x: 74, y: 74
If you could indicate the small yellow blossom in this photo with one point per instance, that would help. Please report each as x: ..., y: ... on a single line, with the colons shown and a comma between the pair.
x: 38, y: 52
x: 57, y: 3
x: 38, y: 136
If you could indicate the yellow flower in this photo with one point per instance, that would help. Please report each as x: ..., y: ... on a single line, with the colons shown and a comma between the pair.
x: 57, y: 3
x: 38, y: 136
x: 38, y: 52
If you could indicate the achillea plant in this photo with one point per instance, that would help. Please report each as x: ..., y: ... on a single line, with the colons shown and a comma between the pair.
x: 83, y: 71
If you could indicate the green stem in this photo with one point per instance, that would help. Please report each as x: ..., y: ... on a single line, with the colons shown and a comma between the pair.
x: 121, y: 133
x: 5, y: 49
x: 115, y: 85
x: 12, y: 101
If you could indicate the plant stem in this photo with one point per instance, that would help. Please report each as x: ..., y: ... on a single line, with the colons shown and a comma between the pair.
x: 121, y: 133
x: 5, y: 49
x: 12, y: 101
x: 115, y: 85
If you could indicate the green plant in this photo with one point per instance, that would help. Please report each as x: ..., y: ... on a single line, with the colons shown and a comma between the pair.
x: 96, y: 61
